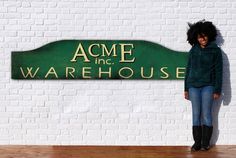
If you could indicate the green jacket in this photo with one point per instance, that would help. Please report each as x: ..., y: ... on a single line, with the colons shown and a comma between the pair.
x: 204, y: 67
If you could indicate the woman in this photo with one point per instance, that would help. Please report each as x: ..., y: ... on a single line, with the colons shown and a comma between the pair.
x: 203, y: 80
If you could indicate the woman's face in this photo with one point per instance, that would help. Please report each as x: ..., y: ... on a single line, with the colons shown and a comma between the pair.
x: 202, y: 39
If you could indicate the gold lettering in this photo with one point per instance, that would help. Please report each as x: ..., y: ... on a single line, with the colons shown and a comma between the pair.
x: 113, y: 49
x: 124, y: 52
x: 84, y: 72
x: 51, y: 71
x: 132, y: 72
x: 108, y: 62
x: 80, y: 53
x: 104, y: 72
x: 90, y: 50
x: 142, y: 74
x: 70, y: 72
x: 100, y: 61
x: 179, y: 72
x: 166, y: 74
x: 28, y: 72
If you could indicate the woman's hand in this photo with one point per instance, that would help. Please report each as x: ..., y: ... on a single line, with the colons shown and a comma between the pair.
x: 216, y: 96
x: 186, y: 95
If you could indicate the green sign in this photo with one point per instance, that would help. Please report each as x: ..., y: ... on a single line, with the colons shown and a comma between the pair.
x: 99, y: 59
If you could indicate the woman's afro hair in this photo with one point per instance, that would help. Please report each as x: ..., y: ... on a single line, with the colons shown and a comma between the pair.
x: 200, y: 28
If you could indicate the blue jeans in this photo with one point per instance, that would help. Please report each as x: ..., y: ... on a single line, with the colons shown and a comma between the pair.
x: 202, y: 100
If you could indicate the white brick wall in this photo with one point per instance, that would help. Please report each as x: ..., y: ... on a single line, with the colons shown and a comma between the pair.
x: 114, y: 112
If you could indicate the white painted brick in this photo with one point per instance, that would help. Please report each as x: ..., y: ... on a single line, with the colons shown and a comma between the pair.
x: 106, y: 112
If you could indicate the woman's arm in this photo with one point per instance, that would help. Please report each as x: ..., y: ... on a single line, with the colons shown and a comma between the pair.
x: 186, y: 96
x: 218, y: 74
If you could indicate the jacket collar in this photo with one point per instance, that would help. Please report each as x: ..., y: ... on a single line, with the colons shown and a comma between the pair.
x: 210, y: 45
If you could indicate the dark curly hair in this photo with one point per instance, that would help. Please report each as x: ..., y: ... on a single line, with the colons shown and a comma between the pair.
x: 200, y: 28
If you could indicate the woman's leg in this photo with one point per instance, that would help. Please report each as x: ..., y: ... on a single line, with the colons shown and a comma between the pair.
x: 207, y: 129
x: 195, y: 98
x: 206, y: 106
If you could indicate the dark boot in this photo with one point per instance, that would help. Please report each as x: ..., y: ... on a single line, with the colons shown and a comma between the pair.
x: 206, y: 137
x: 197, y: 136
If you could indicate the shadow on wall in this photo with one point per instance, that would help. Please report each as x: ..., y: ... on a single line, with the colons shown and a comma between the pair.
x: 226, y: 91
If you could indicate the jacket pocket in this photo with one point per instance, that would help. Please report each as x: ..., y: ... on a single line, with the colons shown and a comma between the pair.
x: 206, y: 76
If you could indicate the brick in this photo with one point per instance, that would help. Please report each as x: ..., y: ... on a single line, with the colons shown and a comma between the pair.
x: 106, y: 112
